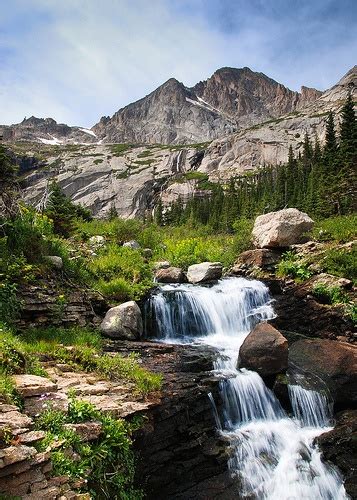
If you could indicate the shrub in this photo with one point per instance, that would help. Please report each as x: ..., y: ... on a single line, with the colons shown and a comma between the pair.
x: 118, y: 289
x: 107, y: 464
x: 242, y: 237
x: 9, y: 304
x: 330, y: 294
x: 8, y: 393
x: 290, y: 266
x: 27, y: 235
x: 121, y: 272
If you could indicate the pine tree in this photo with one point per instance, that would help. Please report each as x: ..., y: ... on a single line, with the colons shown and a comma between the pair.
x: 317, y: 154
x: 61, y: 210
x: 348, y: 132
x: 331, y: 140
x: 307, y: 150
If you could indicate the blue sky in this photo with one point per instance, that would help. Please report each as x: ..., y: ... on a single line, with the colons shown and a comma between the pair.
x: 77, y: 60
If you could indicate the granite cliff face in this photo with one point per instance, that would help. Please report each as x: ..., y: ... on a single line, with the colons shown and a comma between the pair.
x: 102, y: 176
x: 229, y: 100
x: 268, y: 142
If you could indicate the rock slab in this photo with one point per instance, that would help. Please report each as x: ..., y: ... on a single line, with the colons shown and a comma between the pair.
x: 281, y: 229
x: 33, y: 385
x: 123, y: 322
x: 204, y: 272
x: 265, y: 350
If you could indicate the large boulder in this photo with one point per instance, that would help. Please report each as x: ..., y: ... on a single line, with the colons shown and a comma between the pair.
x: 123, y: 322
x: 265, y: 351
x: 206, y: 271
x: 170, y: 275
x: 281, y: 229
x: 334, y: 362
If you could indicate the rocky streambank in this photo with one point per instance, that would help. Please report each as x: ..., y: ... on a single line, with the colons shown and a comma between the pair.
x: 180, y: 454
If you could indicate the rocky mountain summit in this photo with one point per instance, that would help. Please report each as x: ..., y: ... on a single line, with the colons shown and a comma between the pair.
x: 268, y: 142
x: 46, y: 131
x: 132, y: 177
x: 228, y: 101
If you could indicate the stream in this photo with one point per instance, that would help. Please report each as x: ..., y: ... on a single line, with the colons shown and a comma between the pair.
x: 271, y: 454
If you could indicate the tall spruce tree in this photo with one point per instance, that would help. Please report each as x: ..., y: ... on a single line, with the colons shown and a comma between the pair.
x: 331, y: 139
x: 348, y: 132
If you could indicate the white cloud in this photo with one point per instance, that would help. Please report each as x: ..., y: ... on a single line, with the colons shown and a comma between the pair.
x: 75, y: 61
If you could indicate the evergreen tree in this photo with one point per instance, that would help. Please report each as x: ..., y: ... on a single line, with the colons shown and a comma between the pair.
x: 348, y: 132
x: 8, y: 184
x: 331, y: 140
x: 158, y: 215
x: 61, y: 210
x: 317, y: 154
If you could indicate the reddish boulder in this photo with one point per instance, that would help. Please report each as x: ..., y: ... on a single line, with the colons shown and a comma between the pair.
x: 265, y: 350
x: 170, y: 275
x: 335, y: 363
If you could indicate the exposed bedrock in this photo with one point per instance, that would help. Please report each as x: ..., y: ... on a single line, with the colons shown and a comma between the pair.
x: 180, y: 453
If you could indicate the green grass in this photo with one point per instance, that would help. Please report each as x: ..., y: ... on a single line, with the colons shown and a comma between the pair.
x: 79, y: 336
x: 340, y: 229
x: 85, y: 354
x: 341, y: 262
x: 14, y: 357
x: 330, y: 294
x: 145, y: 154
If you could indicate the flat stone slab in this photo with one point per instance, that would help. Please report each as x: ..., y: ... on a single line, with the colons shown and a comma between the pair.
x: 14, y: 420
x: 14, y: 454
x: 37, y: 404
x: 33, y: 385
x: 31, y: 437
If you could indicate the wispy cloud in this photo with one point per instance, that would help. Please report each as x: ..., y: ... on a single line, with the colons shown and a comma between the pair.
x: 76, y: 61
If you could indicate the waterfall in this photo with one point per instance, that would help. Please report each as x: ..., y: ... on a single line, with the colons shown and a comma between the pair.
x: 311, y: 407
x: 272, y: 456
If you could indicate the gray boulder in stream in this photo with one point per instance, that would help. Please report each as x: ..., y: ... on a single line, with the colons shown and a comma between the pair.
x: 123, y: 322
x: 206, y: 271
x: 265, y: 351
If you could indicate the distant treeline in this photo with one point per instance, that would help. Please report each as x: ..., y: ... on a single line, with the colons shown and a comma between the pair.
x: 320, y: 181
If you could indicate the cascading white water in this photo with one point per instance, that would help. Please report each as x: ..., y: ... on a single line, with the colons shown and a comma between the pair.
x: 272, y: 455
